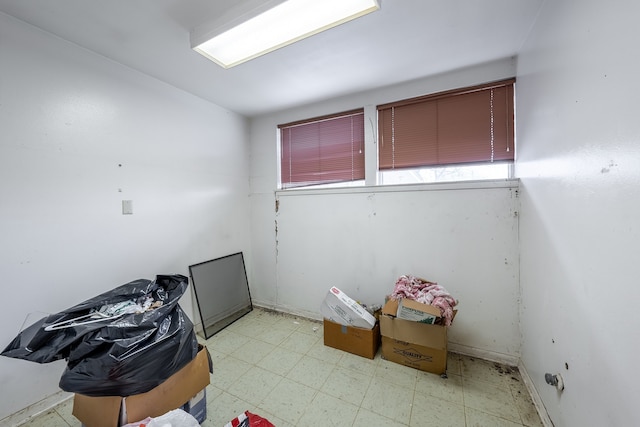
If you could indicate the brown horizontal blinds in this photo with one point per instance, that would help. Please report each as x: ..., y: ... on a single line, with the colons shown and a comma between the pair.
x: 323, y: 150
x: 471, y: 125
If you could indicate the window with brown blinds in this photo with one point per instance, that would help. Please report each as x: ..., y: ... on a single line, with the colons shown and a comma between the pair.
x: 323, y: 150
x: 471, y: 125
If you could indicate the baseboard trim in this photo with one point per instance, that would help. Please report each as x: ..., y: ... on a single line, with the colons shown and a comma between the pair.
x: 285, y: 310
x: 492, y: 356
x: 537, y: 401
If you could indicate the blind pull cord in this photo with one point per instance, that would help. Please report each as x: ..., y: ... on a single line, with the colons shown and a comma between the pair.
x: 393, y: 137
x: 506, y: 100
x: 491, y: 110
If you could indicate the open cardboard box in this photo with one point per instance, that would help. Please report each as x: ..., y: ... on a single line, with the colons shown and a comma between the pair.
x: 361, y: 341
x: 178, y: 389
x: 411, y: 343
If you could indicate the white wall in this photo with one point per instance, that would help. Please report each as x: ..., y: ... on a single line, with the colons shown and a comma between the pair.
x: 578, y: 160
x: 464, y: 238
x: 78, y: 134
x: 363, y: 240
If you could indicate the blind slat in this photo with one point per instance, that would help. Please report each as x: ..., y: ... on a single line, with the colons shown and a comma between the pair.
x: 323, y: 150
x: 456, y: 127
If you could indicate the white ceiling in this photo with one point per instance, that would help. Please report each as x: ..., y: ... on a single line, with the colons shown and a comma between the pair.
x: 404, y: 40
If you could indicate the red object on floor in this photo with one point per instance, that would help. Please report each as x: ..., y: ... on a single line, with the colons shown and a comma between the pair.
x: 247, y: 419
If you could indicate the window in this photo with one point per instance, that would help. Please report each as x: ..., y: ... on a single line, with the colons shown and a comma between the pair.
x: 454, y: 135
x: 323, y: 150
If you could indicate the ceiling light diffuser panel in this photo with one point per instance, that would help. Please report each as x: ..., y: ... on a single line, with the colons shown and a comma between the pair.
x: 271, y: 25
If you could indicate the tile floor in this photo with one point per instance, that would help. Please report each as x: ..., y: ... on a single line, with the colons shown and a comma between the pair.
x: 277, y: 366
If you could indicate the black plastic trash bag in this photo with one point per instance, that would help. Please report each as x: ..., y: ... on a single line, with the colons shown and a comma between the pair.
x: 123, y: 342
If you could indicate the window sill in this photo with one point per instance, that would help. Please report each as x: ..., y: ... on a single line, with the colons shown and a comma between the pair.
x: 443, y: 186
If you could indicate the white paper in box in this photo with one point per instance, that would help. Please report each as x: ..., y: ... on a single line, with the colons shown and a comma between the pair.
x: 340, y: 308
x: 418, y: 312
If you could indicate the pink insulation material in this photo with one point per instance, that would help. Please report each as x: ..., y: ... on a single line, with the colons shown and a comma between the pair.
x: 426, y: 292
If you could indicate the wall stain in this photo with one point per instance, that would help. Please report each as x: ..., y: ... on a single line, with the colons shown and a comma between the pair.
x: 607, y: 169
x: 276, y: 241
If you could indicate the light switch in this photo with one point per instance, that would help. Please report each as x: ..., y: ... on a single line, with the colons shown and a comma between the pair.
x: 127, y: 207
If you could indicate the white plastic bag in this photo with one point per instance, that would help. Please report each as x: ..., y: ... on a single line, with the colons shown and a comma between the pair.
x: 175, y: 418
x: 142, y: 423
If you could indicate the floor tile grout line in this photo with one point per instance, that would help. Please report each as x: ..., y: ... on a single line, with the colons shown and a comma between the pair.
x: 413, y: 400
x: 464, y: 403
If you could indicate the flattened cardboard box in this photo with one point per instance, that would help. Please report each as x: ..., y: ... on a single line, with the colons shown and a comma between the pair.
x: 340, y: 308
x: 113, y: 411
x: 360, y: 341
x: 413, y: 344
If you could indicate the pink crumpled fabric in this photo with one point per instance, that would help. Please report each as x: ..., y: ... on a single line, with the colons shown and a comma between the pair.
x: 426, y: 292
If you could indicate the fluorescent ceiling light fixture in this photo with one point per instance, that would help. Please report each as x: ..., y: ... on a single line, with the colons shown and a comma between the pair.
x: 270, y: 25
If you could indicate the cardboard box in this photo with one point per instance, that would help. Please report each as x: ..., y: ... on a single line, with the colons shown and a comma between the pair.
x: 197, y: 406
x: 360, y: 341
x: 340, y: 308
x: 411, y: 343
x: 409, y: 309
x: 114, y: 411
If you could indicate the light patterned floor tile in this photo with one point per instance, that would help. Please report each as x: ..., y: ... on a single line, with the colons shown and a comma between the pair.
x: 311, y: 372
x: 65, y: 410
x: 299, y: 342
x: 216, y: 356
x: 254, y: 385
x: 347, y: 385
x: 280, y: 361
x: 250, y: 328
x: 253, y: 351
x: 311, y: 327
x: 325, y: 353
x: 327, y: 410
x: 366, y: 418
x: 226, y: 341
x: 489, y: 398
x: 526, y: 408
x: 453, y: 364
x: 449, y: 388
x: 288, y: 400
x: 395, y: 373
x: 359, y: 363
x: 476, y: 418
x: 212, y: 393
x: 239, y: 323
x: 224, y: 408
x: 484, y: 370
x: 431, y: 411
x: 227, y: 371
x: 389, y: 399
x: 275, y: 336
x: 49, y: 419
x: 262, y: 317
x: 287, y: 322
